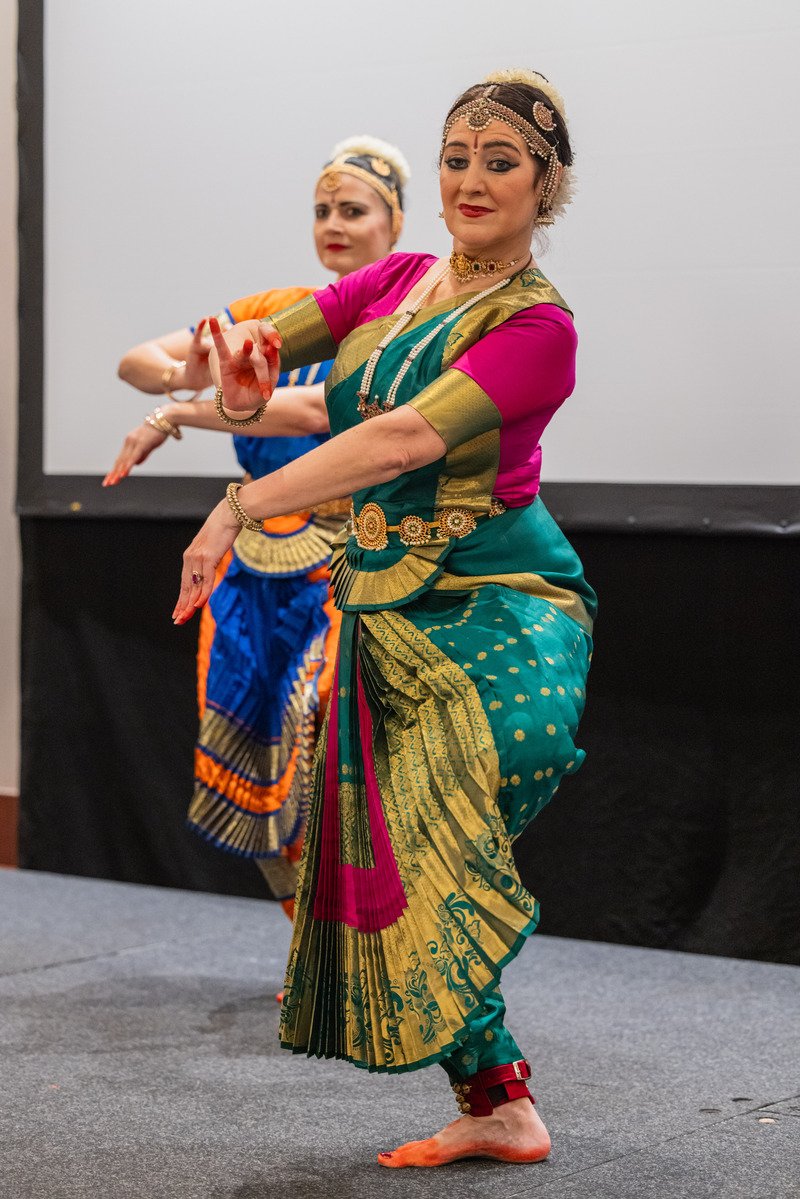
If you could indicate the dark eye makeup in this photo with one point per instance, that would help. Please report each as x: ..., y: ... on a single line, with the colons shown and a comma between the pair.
x: 500, y: 166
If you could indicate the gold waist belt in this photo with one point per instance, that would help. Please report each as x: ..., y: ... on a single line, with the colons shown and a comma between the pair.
x: 370, y: 526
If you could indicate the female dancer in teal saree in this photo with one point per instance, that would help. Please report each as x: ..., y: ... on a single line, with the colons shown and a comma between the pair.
x: 465, y: 637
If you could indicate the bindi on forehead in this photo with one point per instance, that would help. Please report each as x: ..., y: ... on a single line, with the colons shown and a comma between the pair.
x: 495, y: 134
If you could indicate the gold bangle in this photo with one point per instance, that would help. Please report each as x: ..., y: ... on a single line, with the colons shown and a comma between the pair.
x: 168, y: 372
x: 166, y: 384
x: 183, y: 399
x: 157, y: 420
x: 229, y: 420
x: 247, y: 522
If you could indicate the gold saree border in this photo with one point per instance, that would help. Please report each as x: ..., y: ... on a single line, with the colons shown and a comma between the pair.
x: 259, y: 830
x: 305, y: 334
x: 355, y: 589
x: 403, y: 997
x: 568, y: 602
x: 457, y: 408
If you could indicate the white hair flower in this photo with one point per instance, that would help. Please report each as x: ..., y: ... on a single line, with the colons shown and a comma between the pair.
x: 533, y: 79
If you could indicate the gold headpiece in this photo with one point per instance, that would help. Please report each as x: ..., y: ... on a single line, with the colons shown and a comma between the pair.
x: 384, y: 160
x: 483, y: 109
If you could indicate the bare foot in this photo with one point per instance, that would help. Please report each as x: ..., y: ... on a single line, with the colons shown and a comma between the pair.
x: 513, y: 1133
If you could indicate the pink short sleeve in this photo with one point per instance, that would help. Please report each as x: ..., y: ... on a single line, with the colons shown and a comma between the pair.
x: 526, y: 367
x: 343, y: 302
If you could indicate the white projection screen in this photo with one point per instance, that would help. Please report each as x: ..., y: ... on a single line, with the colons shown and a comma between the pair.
x: 179, y: 147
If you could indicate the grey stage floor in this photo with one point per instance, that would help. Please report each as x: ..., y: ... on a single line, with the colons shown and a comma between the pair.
x: 140, y: 1059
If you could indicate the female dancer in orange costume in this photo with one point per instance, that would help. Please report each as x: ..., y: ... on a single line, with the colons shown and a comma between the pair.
x: 268, y: 638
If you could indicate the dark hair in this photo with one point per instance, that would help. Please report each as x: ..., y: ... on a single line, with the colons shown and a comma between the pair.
x: 365, y: 161
x: 520, y: 98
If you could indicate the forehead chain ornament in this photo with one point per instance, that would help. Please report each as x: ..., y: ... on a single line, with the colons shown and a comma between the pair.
x: 480, y: 115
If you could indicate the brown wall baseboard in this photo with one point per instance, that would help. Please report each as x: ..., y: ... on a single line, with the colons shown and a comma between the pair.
x: 9, y: 829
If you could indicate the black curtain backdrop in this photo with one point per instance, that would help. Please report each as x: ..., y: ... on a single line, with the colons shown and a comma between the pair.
x: 681, y: 830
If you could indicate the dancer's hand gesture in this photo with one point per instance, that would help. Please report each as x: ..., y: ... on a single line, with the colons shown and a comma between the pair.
x: 195, y: 374
x: 137, y: 446
x: 201, y: 559
x: 245, y: 363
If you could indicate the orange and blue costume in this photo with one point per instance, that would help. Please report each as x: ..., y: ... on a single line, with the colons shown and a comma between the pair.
x: 265, y: 661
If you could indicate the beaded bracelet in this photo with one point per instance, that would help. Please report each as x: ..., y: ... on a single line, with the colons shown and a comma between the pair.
x: 247, y: 522
x: 229, y: 420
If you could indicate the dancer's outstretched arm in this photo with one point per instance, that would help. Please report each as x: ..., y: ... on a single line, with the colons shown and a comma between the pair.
x: 143, y: 366
x: 371, y: 453
x: 293, y: 412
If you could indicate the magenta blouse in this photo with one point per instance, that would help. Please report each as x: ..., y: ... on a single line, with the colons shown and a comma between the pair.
x: 526, y: 365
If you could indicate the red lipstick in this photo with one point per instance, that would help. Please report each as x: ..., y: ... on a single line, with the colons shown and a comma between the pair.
x: 473, y: 210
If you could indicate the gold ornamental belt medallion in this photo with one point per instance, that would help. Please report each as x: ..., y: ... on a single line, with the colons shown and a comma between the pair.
x: 371, y: 529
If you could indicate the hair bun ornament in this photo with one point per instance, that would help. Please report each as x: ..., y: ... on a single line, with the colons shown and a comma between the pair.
x: 533, y: 79
x: 380, y: 153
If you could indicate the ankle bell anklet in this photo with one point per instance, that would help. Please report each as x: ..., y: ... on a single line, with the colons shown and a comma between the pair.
x: 483, y: 1092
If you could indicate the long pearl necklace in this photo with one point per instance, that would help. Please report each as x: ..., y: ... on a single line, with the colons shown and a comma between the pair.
x: 369, y: 409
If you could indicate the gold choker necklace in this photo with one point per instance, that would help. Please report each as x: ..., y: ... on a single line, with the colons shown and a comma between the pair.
x: 464, y: 268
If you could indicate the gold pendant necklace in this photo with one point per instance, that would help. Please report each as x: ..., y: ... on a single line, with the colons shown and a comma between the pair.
x: 464, y: 268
